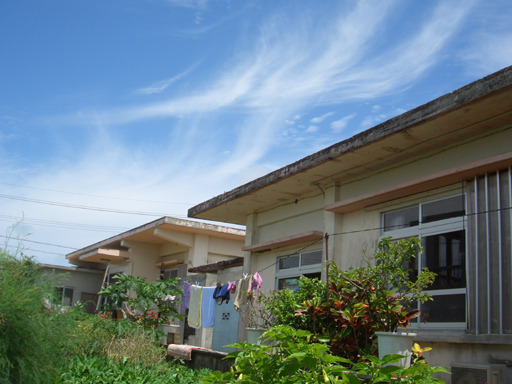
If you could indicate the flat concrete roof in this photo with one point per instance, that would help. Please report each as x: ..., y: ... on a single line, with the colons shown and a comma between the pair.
x: 450, y: 118
x: 145, y: 233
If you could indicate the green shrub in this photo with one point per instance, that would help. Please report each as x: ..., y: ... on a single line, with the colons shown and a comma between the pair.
x: 99, y: 369
x: 290, y: 356
x: 34, y: 336
x: 284, y: 304
x: 361, y: 301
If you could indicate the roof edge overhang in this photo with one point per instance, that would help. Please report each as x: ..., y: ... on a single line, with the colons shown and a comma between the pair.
x: 215, y: 267
x: 467, y: 94
x: 105, y: 255
x: 285, y: 241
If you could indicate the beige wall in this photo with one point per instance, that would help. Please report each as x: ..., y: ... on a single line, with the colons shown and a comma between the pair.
x: 355, y: 238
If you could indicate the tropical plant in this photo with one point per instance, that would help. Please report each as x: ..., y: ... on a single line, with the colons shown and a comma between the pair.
x: 284, y: 303
x: 294, y: 357
x: 149, y: 304
x: 361, y: 301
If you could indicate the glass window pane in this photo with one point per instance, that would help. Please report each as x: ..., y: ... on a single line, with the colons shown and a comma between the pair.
x: 288, y: 283
x: 403, y: 218
x: 443, y: 209
x: 445, y: 255
x: 67, y: 297
x: 444, y: 308
x: 287, y: 262
x: 311, y: 258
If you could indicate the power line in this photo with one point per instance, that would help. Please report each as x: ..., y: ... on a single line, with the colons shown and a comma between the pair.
x: 92, y: 195
x: 38, y: 242
x: 85, y: 207
x: 465, y: 216
x: 61, y: 224
x: 35, y: 250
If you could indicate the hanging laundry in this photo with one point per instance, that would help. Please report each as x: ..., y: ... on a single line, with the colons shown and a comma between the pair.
x: 186, y: 295
x: 256, y: 282
x: 208, y: 308
x: 195, y: 304
x: 232, y: 287
x: 221, y: 294
x: 242, y: 287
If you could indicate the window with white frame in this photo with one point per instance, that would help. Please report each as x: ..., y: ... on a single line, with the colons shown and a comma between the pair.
x: 440, y: 224
x: 291, y: 267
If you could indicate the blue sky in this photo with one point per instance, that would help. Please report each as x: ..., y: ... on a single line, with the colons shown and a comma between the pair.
x: 115, y: 113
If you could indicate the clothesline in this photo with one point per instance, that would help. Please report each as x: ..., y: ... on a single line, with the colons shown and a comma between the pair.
x: 201, y: 301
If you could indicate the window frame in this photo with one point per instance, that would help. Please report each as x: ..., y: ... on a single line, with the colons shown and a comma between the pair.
x: 297, y: 272
x: 432, y: 228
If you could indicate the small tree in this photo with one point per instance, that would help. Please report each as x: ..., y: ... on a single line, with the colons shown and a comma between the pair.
x: 148, y: 304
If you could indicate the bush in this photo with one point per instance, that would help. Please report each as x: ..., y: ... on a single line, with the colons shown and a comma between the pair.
x: 285, y: 303
x: 34, y: 336
x: 291, y: 356
x: 98, y: 369
x: 361, y: 301
x: 151, y: 303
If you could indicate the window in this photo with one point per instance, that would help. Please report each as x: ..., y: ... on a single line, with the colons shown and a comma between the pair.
x: 170, y: 274
x: 441, y: 226
x: 290, y: 268
x: 65, y: 296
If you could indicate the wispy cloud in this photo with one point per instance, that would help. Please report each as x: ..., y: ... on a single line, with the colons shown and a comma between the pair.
x: 292, y: 64
x: 200, y: 4
x: 162, y: 85
x: 339, y: 125
x: 319, y: 119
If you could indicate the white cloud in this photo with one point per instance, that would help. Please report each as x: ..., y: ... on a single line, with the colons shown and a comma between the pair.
x: 312, y: 129
x: 371, y: 121
x: 319, y: 119
x: 339, y: 125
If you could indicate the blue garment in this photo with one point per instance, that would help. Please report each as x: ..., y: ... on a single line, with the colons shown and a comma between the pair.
x: 221, y: 294
x: 208, y: 308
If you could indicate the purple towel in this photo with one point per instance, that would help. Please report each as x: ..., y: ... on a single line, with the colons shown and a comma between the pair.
x: 186, y: 295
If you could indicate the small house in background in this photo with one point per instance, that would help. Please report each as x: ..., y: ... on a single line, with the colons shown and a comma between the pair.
x: 441, y: 172
x: 167, y: 248
x: 76, y: 284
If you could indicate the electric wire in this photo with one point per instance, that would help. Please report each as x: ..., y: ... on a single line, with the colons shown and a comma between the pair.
x: 465, y: 216
x: 22, y: 240
x: 61, y: 224
x: 92, y: 195
x: 85, y: 207
x: 380, y: 228
x: 22, y: 250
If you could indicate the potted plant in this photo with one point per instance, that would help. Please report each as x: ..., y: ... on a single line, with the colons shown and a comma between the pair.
x: 361, y: 303
x: 256, y: 315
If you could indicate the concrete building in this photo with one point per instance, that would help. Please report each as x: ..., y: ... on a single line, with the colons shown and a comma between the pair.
x: 442, y: 172
x: 76, y: 284
x: 168, y: 246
